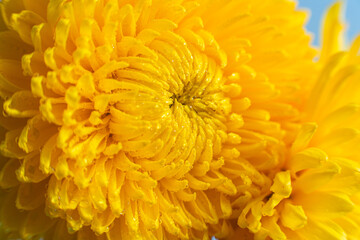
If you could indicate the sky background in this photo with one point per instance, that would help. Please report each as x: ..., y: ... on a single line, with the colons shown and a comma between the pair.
x: 318, y: 8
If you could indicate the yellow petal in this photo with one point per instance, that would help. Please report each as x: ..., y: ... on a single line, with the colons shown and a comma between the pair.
x: 61, y: 232
x: 350, y: 226
x: 339, y: 116
x: 21, y: 104
x: 325, y: 204
x: 293, y: 216
x: 30, y: 195
x: 9, y: 7
x: 11, y: 46
x: 313, y: 179
x: 336, y: 138
x: 36, y: 222
x: 333, y: 32
x: 23, y: 22
x: 304, y: 137
x: 35, y: 134
x: 102, y: 221
x: 282, y: 184
x: 325, y: 229
x: 9, y: 147
x: 29, y: 170
x: 85, y: 210
x: 11, y: 76
x: 10, y: 216
x: 7, y: 174
x: 150, y: 215
x: 132, y: 215
x: 308, y: 158
x: 324, y: 78
x: 274, y: 230
x: 204, y: 207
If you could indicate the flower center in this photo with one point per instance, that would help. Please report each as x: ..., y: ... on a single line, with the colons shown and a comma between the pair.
x: 201, y: 101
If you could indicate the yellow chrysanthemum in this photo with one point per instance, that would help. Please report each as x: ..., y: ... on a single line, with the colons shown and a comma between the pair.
x: 315, y: 194
x: 144, y: 119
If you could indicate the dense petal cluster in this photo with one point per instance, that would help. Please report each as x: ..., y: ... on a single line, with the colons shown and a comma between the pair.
x: 315, y: 193
x: 162, y: 119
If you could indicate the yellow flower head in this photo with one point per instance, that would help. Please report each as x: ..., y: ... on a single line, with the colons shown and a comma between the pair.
x: 140, y: 119
x: 316, y: 193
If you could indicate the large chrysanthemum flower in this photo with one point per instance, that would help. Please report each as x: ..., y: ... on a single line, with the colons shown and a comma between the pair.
x: 139, y: 119
x: 315, y: 194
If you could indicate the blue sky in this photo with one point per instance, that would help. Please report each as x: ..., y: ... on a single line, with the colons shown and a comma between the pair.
x: 318, y: 8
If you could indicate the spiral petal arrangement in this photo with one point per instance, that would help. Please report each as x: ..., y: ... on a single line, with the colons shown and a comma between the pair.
x: 163, y: 119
